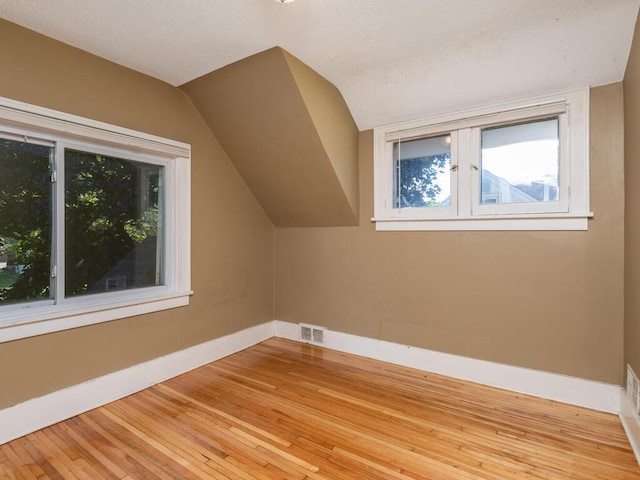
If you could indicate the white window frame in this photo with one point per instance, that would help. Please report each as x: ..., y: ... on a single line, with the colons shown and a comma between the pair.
x: 42, y: 125
x: 570, y: 212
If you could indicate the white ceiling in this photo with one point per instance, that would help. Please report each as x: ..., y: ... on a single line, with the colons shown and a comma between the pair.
x: 393, y: 60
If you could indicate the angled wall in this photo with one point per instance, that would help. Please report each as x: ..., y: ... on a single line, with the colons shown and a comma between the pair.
x: 289, y: 133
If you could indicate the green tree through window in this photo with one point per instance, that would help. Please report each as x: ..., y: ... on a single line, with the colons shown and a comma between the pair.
x: 112, y: 211
x: 25, y: 220
x: 111, y: 223
x: 419, y: 185
x: 421, y: 175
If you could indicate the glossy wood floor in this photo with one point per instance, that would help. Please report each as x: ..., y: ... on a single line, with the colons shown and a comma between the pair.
x: 282, y: 410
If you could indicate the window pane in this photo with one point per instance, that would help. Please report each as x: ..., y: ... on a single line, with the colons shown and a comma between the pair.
x: 520, y: 163
x: 421, y: 174
x: 114, y: 216
x: 25, y: 221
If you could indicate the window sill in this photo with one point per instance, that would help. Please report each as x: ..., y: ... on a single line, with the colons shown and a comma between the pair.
x: 38, y: 320
x: 494, y: 222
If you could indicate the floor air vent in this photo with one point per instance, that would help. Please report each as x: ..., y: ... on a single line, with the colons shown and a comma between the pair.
x: 312, y: 334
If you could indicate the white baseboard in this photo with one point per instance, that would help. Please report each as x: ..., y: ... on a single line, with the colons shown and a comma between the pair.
x: 40, y: 412
x: 631, y: 423
x: 562, y: 388
x: 43, y: 411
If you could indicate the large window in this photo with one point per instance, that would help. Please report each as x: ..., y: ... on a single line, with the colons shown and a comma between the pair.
x: 516, y: 166
x: 93, y: 222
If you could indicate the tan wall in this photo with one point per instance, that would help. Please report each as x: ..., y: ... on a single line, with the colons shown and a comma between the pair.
x: 269, y: 119
x: 232, y: 239
x: 545, y: 300
x: 335, y: 125
x: 632, y: 206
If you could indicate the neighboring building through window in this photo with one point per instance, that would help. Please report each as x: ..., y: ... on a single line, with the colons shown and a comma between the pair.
x: 516, y: 166
x: 94, y: 222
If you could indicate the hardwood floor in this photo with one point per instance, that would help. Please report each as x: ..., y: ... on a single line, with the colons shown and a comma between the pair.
x: 283, y: 410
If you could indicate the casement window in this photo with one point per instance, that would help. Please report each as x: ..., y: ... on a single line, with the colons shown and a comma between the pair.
x: 94, y: 222
x: 521, y: 166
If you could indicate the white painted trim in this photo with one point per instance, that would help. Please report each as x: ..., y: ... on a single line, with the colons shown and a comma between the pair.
x: 549, y: 223
x: 543, y: 105
x: 40, y: 320
x: 25, y: 115
x: 630, y: 422
x: 572, y: 108
x: 63, y: 130
x: 54, y: 407
x: 562, y: 388
x: 40, y: 412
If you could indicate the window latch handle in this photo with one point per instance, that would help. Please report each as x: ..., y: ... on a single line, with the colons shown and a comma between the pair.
x: 454, y: 168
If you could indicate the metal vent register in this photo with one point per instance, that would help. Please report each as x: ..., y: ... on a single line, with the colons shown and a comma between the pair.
x: 312, y: 334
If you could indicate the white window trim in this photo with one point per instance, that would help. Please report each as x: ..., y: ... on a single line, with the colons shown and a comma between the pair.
x: 574, y: 209
x: 40, y: 317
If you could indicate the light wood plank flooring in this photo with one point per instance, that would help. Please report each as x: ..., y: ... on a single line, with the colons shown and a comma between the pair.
x: 282, y: 410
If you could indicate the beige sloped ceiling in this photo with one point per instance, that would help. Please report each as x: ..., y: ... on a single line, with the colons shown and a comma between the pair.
x: 289, y: 133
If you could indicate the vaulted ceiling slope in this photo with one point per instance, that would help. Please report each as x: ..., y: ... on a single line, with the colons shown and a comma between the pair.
x: 392, y: 60
x: 287, y: 129
x: 289, y: 133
